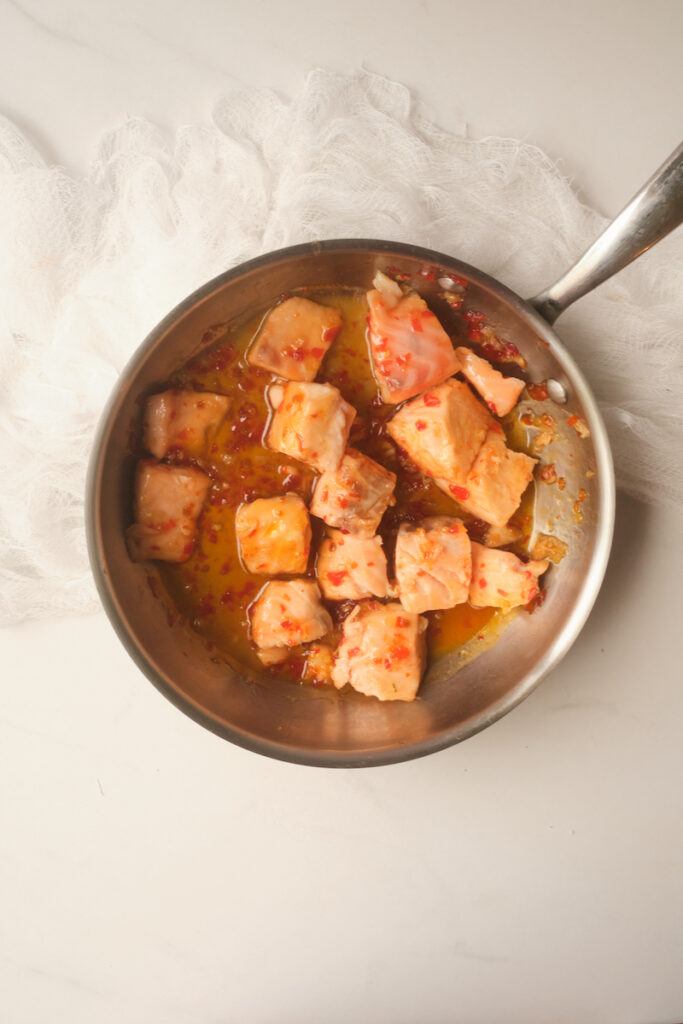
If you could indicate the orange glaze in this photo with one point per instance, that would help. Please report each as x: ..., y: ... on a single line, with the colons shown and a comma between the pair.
x: 211, y: 589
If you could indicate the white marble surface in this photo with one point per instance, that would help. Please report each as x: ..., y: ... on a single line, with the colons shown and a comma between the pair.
x: 151, y: 872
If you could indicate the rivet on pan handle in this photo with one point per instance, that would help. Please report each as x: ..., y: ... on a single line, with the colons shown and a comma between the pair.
x: 655, y: 211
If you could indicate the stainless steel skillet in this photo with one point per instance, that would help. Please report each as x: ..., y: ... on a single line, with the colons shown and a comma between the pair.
x: 459, y: 696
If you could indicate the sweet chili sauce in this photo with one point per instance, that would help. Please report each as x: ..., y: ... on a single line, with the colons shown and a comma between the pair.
x: 212, y: 589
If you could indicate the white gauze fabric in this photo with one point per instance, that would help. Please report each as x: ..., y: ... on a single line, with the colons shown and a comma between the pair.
x: 88, y: 265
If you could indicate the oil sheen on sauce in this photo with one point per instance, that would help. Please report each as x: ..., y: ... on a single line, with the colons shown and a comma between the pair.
x: 212, y: 590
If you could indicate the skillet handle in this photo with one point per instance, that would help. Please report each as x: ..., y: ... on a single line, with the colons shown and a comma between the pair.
x: 655, y: 211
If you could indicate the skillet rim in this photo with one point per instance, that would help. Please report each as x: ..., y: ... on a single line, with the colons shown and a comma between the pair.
x: 566, y: 637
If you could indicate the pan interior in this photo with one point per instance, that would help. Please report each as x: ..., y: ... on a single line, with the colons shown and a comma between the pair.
x: 316, y: 726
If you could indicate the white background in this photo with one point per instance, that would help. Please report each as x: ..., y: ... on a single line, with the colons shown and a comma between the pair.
x: 150, y: 871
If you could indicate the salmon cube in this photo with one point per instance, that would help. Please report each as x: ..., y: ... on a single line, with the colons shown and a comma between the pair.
x: 294, y: 339
x: 274, y: 535
x: 410, y: 349
x: 272, y: 655
x: 319, y: 663
x: 168, y: 500
x: 350, y: 567
x: 311, y: 423
x: 355, y: 497
x: 287, y: 613
x: 493, y: 488
x: 501, y: 580
x: 382, y: 652
x: 499, y: 392
x: 442, y: 430
x: 181, y: 420
x: 433, y: 564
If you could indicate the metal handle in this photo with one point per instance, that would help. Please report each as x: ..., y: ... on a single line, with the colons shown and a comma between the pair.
x: 655, y: 211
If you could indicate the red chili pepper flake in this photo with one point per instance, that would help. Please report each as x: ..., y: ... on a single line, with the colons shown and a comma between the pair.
x: 342, y: 501
x: 318, y: 353
x: 460, y: 281
x: 398, y: 275
x: 402, y: 622
x: 329, y: 334
x: 431, y: 400
x: 460, y: 493
x: 337, y: 577
x: 561, y: 483
x: 538, y: 392
x: 225, y: 568
x: 397, y: 652
x: 473, y: 316
x: 511, y: 350
x: 503, y: 593
x: 548, y: 474
x: 482, y: 582
x: 403, y: 360
x: 527, y: 419
x: 188, y: 547
x: 536, y: 600
x: 287, y: 624
x: 420, y: 425
x: 353, y: 652
x: 492, y: 408
x: 429, y: 273
x: 572, y: 420
x: 489, y: 351
x: 416, y: 324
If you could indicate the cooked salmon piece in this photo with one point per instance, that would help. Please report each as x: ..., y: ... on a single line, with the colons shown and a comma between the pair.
x: 167, y: 503
x: 501, y: 580
x: 433, y: 564
x: 350, y: 567
x: 355, y: 496
x: 319, y: 663
x: 499, y: 392
x: 382, y: 652
x: 274, y: 535
x: 493, y: 488
x: 410, y: 349
x: 294, y: 339
x: 272, y: 655
x: 311, y: 423
x: 287, y: 613
x: 178, y: 419
x: 442, y: 430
